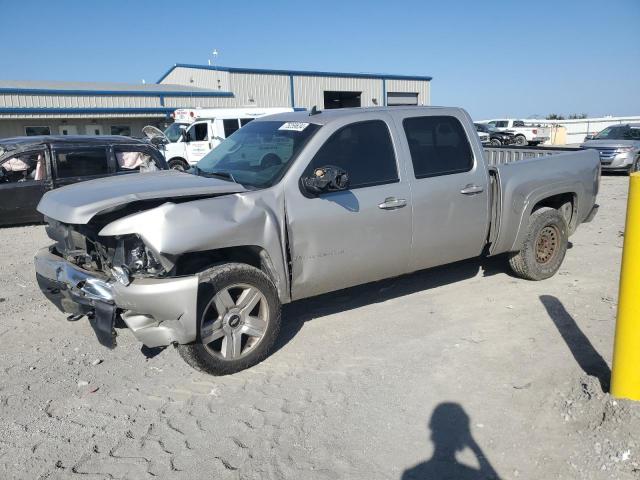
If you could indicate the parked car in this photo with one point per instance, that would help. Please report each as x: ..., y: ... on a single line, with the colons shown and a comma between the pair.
x: 523, y: 134
x: 483, y: 136
x: 195, y: 132
x: 495, y: 137
x: 296, y: 205
x: 618, y: 147
x: 31, y: 166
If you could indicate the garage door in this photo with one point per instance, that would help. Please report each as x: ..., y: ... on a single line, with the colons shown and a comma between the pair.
x: 402, y: 98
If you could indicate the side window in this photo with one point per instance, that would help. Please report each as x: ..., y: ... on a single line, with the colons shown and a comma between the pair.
x: 121, y: 130
x: 502, y: 124
x: 81, y: 162
x: 518, y: 123
x: 130, y: 159
x: 25, y: 167
x: 438, y: 146
x: 198, y: 132
x: 362, y: 149
x: 230, y: 126
x: 244, y: 121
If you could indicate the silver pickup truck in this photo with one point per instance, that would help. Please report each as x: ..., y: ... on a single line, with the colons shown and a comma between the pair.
x: 295, y: 205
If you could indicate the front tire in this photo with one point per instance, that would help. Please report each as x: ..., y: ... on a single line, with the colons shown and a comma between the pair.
x: 544, y: 247
x: 178, y: 164
x: 495, y: 142
x: 238, y: 320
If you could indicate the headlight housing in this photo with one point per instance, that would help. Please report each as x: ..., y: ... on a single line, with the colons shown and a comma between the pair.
x: 132, y: 258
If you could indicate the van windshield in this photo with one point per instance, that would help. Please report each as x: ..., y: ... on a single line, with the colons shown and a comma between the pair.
x: 174, y: 131
x: 258, y: 154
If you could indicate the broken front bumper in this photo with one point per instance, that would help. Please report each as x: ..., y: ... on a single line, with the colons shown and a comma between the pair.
x: 158, y: 311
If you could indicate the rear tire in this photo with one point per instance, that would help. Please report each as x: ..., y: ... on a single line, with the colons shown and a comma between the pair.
x: 238, y: 320
x: 521, y: 141
x: 544, y: 247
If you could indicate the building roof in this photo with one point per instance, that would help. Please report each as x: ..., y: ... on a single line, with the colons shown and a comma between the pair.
x: 301, y: 73
x: 103, y: 88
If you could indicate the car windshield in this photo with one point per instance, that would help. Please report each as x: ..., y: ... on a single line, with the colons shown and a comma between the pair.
x: 619, y: 132
x: 174, y: 131
x: 258, y: 154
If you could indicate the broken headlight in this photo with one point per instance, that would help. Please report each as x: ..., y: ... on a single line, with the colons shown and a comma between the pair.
x: 133, y: 258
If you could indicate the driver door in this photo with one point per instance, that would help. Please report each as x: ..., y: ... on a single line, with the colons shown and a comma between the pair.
x: 359, y: 235
x: 198, y: 145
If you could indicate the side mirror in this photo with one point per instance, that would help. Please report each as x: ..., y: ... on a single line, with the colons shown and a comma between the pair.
x: 589, y: 137
x: 325, y: 179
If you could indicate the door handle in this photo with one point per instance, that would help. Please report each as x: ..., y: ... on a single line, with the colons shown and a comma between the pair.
x: 392, y: 203
x: 471, y: 189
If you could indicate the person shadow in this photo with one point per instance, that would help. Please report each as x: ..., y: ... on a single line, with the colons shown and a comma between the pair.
x: 450, y: 434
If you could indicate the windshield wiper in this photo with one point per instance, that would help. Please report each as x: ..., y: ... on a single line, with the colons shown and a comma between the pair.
x: 215, y: 173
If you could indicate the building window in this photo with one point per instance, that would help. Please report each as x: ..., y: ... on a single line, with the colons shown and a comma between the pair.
x: 401, y: 98
x: 33, y: 131
x: 121, y: 130
x: 342, y: 99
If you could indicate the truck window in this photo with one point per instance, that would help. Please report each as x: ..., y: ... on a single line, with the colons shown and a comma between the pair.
x: 81, y: 163
x: 198, y: 132
x: 230, y: 126
x: 438, y: 146
x: 500, y: 123
x: 518, y: 123
x: 364, y: 150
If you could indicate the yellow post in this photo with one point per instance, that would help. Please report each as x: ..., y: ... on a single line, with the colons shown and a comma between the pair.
x: 625, y: 373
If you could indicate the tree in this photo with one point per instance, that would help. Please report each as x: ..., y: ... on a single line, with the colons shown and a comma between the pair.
x: 554, y: 116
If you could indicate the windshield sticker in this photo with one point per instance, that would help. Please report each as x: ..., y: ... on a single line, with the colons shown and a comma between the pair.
x: 294, y: 126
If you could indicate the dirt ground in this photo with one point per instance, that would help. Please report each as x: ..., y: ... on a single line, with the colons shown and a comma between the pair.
x: 458, y: 372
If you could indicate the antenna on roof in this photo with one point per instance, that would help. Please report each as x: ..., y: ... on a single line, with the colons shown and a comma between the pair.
x: 314, y: 111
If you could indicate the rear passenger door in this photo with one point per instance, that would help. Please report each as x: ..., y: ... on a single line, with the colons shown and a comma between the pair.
x: 77, y: 164
x: 449, y: 188
x: 363, y: 234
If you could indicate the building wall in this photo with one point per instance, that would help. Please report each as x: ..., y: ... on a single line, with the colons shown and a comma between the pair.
x: 16, y: 128
x: 77, y: 101
x: 200, y: 78
x: 422, y: 88
x: 309, y: 91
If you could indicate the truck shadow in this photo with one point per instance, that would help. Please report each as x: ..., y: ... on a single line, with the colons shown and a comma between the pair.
x: 295, y: 314
x: 581, y: 348
x: 450, y: 434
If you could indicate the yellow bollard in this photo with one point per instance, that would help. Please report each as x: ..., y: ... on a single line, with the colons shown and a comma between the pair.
x: 625, y: 372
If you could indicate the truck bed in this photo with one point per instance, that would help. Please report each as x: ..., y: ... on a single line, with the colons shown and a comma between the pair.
x: 502, y: 155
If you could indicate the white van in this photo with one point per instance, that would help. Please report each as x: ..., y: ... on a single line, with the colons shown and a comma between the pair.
x: 195, y: 132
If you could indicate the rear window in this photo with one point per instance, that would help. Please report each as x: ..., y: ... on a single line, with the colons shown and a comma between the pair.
x: 81, y: 162
x: 438, y: 146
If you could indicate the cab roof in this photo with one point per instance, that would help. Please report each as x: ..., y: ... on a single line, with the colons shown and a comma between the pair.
x: 323, y: 117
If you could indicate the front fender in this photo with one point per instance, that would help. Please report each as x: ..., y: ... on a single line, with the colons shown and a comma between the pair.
x: 248, y: 218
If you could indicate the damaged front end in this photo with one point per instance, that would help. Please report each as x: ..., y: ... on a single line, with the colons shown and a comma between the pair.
x: 109, y: 279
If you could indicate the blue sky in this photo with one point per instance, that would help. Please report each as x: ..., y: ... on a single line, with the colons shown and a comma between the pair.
x: 491, y: 57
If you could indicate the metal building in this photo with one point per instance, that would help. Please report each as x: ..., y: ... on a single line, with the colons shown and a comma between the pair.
x: 39, y: 107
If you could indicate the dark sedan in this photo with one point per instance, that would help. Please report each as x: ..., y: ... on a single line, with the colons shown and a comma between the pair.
x: 30, y: 166
x: 496, y: 138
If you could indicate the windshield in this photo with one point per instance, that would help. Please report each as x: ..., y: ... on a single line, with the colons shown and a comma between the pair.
x: 619, y: 132
x: 174, y: 131
x: 259, y: 153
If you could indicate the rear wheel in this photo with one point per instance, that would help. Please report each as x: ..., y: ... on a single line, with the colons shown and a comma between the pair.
x: 239, y: 320
x: 544, y: 247
x: 521, y: 141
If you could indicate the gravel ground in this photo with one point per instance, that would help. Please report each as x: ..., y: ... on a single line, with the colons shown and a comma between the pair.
x: 458, y: 372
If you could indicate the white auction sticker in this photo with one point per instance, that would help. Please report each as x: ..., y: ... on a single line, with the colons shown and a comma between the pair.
x: 294, y: 126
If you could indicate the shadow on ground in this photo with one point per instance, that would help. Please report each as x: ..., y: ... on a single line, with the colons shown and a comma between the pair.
x: 295, y: 314
x: 450, y: 434
x: 583, y: 351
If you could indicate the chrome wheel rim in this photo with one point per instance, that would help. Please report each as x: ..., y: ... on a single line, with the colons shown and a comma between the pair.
x: 235, y: 321
x: 547, y: 244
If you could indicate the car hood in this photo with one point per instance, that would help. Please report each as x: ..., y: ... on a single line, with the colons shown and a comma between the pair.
x: 610, y: 143
x: 80, y: 202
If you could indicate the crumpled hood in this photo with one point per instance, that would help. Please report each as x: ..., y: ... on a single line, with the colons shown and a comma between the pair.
x: 80, y: 202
